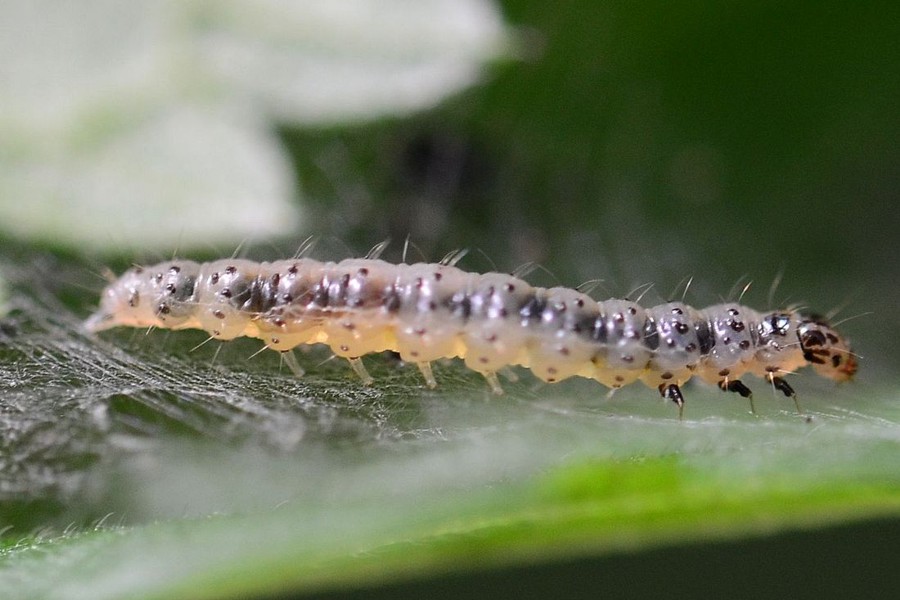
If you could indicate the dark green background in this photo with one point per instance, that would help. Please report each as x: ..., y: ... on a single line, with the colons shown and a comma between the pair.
x: 711, y: 139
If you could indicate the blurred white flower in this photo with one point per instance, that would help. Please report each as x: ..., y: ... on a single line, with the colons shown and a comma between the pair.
x: 148, y: 123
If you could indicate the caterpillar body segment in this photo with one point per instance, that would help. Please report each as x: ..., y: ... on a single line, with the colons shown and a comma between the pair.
x: 429, y: 311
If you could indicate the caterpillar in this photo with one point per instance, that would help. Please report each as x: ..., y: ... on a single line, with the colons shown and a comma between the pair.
x: 428, y: 311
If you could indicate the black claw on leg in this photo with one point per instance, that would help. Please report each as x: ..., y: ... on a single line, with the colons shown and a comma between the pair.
x: 737, y: 386
x: 783, y: 386
x: 672, y: 392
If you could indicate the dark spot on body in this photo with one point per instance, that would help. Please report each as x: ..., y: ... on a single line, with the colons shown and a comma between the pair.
x: 391, y: 302
x: 164, y: 309
x: 744, y: 345
x: 628, y: 358
x: 597, y: 327
x: 171, y: 288
x: 175, y: 269
x: 438, y: 276
x: 320, y: 294
x: 724, y: 372
x: 814, y: 357
x: 632, y: 311
x: 218, y: 314
x: 704, y: 337
x: 651, y: 334
x: 225, y: 293
x: 293, y: 269
x: 677, y: 311
x: 836, y: 361
x: 279, y: 322
x: 510, y: 287
x: 230, y: 270
x: 619, y: 378
x: 813, y: 338
x: 532, y: 308
x: 780, y: 324
x: 666, y: 376
x: 345, y: 348
x: 736, y: 325
x: 692, y: 347
x: 726, y: 340
x: 682, y: 328
x: 214, y: 278
x: 134, y: 299
x: 363, y: 272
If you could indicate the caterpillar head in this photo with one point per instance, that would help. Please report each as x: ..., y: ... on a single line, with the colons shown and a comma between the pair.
x: 146, y: 297
x: 825, y: 349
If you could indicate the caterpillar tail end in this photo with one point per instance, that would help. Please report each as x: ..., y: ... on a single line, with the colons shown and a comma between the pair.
x: 99, y: 321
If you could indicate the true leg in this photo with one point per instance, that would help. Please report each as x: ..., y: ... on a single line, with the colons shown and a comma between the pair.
x: 737, y: 386
x: 672, y: 392
x: 781, y: 385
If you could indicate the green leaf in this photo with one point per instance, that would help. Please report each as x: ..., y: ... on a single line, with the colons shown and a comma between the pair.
x: 178, y: 477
